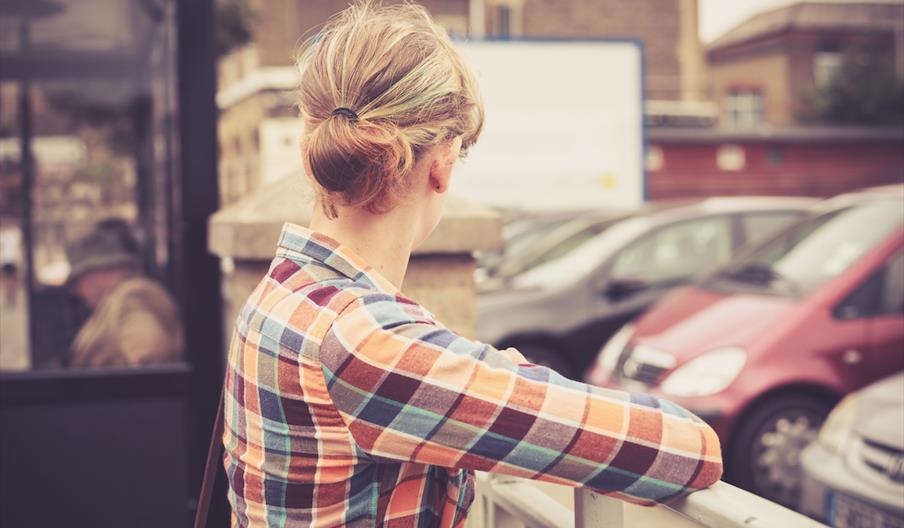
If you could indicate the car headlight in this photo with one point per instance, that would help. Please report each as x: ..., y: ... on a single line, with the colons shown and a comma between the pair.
x: 707, y: 374
x: 839, y: 426
x: 612, y: 350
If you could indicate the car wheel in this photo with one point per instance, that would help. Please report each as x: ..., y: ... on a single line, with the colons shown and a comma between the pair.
x: 765, y: 456
x: 546, y: 357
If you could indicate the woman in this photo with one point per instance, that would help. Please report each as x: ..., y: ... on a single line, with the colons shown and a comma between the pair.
x: 348, y: 403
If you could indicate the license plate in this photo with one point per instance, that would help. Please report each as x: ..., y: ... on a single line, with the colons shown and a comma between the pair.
x: 845, y: 512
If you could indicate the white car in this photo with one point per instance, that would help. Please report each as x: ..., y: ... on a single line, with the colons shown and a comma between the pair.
x: 854, y: 472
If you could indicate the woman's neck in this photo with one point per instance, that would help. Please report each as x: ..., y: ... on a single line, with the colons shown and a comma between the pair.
x: 384, y: 241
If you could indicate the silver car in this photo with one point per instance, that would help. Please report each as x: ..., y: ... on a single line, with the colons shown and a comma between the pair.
x: 854, y: 472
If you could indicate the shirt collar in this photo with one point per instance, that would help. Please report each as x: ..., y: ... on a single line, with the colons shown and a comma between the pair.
x: 297, y: 241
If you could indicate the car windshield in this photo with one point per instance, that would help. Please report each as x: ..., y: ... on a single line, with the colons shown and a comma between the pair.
x: 583, y: 258
x: 813, y: 252
x: 521, y: 234
x: 552, y: 245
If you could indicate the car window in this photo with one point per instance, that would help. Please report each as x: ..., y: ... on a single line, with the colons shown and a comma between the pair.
x: 582, y: 260
x: 676, y: 252
x: 813, y: 252
x: 881, y: 294
x: 554, y: 246
x: 759, y: 226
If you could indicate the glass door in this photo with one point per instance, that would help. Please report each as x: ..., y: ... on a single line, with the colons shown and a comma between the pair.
x: 96, y: 385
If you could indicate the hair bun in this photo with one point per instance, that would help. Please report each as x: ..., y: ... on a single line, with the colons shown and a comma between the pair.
x: 362, y: 162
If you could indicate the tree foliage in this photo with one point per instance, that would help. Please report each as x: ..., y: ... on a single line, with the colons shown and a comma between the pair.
x: 865, y: 90
x: 235, y: 24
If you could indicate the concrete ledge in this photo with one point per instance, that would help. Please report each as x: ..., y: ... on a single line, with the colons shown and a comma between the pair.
x: 249, y: 228
x: 534, y: 505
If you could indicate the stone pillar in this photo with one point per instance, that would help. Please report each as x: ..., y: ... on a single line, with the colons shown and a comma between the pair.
x: 440, y: 275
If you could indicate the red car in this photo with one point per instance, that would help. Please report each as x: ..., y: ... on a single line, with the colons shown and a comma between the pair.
x: 763, y: 348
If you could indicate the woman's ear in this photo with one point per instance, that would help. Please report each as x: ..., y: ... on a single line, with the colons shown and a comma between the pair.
x: 440, y: 174
x: 442, y: 165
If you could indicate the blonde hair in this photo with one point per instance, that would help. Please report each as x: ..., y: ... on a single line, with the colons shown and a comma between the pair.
x: 407, y: 89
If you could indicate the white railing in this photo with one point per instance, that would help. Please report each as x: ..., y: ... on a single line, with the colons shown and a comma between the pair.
x: 506, y: 502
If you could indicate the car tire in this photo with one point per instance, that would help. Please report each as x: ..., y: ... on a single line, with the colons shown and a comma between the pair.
x: 765, y: 455
x: 546, y: 356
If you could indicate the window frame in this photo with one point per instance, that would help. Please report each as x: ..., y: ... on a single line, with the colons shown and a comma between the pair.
x: 747, y: 102
x: 873, y: 286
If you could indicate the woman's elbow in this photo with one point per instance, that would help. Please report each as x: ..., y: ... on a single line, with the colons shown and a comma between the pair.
x: 710, y: 464
x: 710, y: 473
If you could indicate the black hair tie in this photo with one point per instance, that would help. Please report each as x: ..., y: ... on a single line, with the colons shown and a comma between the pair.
x: 347, y: 112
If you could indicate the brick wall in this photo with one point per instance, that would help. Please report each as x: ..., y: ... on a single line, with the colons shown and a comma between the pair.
x: 790, y: 169
x: 768, y: 70
x: 283, y: 24
x: 656, y: 22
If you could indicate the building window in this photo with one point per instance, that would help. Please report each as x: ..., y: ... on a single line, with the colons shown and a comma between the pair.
x: 655, y: 158
x: 826, y: 65
x: 776, y: 155
x: 744, y: 107
x: 503, y: 19
x: 506, y: 19
x: 731, y: 158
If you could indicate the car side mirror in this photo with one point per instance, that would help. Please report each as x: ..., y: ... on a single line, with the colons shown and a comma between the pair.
x: 618, y: 289
x: 847, y: 312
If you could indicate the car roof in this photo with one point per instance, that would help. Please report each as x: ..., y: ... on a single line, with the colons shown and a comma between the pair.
x: 670, y: 211
x: 677, y: 209
x: 884, y: 192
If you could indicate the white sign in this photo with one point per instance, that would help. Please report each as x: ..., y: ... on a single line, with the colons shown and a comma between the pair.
x: 564, y: 125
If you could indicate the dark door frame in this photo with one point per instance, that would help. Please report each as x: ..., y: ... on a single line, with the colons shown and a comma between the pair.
x: 199, y: 280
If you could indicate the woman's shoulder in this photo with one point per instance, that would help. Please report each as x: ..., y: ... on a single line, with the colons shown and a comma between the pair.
x: 385, y: 309
x: 305, y: 300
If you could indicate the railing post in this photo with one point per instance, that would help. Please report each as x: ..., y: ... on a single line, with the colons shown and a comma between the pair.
x: 594, y: 510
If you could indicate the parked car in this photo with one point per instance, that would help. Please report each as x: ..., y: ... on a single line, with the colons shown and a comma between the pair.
x: 544, y: 245
x: 763, y: 348
x: 560, y: 311
x: 854, y: 472
x: 520, y: 231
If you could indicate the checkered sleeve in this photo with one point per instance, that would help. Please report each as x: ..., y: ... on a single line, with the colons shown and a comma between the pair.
x: 411, y: 390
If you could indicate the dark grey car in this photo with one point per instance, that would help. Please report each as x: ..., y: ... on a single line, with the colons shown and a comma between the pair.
x: 559, y: 311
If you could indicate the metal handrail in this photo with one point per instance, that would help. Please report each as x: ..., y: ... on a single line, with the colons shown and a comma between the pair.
x: 721, y: 506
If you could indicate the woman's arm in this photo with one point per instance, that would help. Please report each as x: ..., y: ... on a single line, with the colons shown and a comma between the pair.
x: 411, y: 390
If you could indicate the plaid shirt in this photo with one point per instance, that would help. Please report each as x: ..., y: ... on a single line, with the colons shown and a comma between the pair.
x: 349, y: 404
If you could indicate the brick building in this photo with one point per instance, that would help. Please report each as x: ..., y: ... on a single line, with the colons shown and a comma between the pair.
x: 258, y: 128
x: 763, y: 70
x: 668, y: 29
x: 786, y: 161
x: 762, y: 73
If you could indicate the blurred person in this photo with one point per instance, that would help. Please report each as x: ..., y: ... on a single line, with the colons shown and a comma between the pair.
x: 10, y: 257
x: 347, y: 403
x: 134, y: 321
